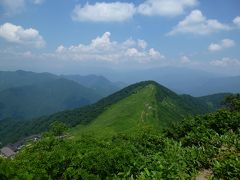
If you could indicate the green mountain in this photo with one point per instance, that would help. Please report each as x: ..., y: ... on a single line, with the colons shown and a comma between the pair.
x: 149, y: 105
x: 215, y: 100
x: 11, y: 79
x: 145, y: 103
x: 26, y: 95
x: 99, y: 83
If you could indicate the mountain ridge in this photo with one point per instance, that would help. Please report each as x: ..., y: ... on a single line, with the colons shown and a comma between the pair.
x: 9, y: 79
x: 97, y: 82
x: 153, y: 102
x: 171, y: 108
x: 26, y: 95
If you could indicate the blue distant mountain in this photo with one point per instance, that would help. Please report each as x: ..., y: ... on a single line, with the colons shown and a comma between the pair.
x: 25, y: 95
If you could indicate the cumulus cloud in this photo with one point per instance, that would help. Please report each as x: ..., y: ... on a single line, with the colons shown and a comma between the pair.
x: 225, y: 43
x: 185, y: 60
x: 142, y: 44
x: 198, y: 24
x: 12, y: 7
x: 104, y: 12
x: 122, y: 11
x: 165, y: 8
x: 17, y: 34
x: 225, y: 62
x: 102, y: 48
x: 236, y: 21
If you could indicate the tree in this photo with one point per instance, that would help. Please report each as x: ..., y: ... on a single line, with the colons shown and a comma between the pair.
x: 232, y: 102
x: 58, y: 128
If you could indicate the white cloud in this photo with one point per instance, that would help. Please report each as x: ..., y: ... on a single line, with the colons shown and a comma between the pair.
x: 155, y: 54
x: 165, y: 7
x: 104, y: 12
x: 122, y: 11
x: 142, y: 44
x: 60, y: 49
x: 133, y: 52
x: 214, y: 47
x: 196, y: 23
x: 185, y: 60
x: 226, y: 62
x: 236, y: 21
x: 12, y: 7
x: 103, y: 49
x: 17, y: 34
x: 102, y: 42
x: 225, y: 43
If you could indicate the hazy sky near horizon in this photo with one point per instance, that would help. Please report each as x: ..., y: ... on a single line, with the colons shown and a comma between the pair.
x: 69, y: 36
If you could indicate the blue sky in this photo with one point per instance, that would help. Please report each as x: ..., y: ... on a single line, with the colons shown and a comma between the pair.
x: 67, y: 36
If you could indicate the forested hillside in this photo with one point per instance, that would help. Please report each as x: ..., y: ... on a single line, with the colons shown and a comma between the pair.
x: 27, y: 95
x: 32, y: 101
x: 12, y: 79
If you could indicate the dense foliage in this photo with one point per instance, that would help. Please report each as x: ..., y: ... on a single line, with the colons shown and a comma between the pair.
x: 210, y: 142
x: 215, y: 100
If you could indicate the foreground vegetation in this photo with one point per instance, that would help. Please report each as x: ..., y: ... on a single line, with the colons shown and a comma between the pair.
x: 210, y: 142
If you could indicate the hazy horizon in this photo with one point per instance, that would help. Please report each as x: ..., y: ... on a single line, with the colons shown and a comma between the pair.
x: 81, y: 37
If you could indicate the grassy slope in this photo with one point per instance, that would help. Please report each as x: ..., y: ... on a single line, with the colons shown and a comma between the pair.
x: 11, y: 130
x: 153, y: 105
x: 126, y: 115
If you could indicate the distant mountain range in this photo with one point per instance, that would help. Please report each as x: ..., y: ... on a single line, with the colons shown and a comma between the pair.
x: 217, y: 85
x: 12, y: 79
x: 181, y: 80
x: 44, y: 98
x: 99, y: 83
x: 142, y: 104
x: 25, y: 95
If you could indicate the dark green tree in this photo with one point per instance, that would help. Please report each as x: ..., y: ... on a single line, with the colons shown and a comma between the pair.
x: 58, y: 128
x: 232, y: 102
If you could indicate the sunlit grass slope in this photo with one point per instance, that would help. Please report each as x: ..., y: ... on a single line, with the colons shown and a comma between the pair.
x: 139, y: 109
x: 152, y: 105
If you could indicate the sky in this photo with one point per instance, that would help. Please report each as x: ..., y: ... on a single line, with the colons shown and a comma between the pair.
x: 79, y: 36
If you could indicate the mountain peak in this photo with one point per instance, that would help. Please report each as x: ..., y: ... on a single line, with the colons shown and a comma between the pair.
x: 145, y: 103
